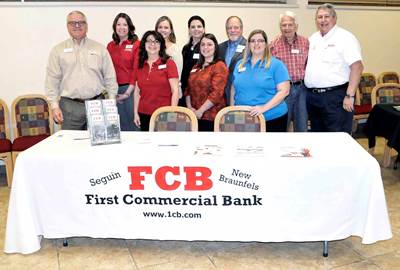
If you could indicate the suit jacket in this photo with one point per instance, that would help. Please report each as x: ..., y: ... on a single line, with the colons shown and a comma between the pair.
x: 236, y: 57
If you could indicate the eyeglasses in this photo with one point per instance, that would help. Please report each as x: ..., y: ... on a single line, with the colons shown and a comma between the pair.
x: 153, y: 42
x: 76, y: 23
x: 257, y: 41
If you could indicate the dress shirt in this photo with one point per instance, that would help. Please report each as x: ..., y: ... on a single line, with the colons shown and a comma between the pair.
x: 256, y: 85
x: 231, y: 50
x: 124, y: 56
x: 293, y: 55
x: 208, y: 84
x: 153, y: 82
x: 330, y: 57
x: 79, y: 71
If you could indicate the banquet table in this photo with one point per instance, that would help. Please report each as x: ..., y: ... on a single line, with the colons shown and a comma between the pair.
x: 222, y: 186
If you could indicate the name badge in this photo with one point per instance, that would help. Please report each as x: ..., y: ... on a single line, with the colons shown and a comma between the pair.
x: 68, y: 50
x: 129, y: 46
x: 162, y: 66
x: 242, y: 69
x: 296, y: 51
x: 196, y: 56
x: 240, y: 48
x: 193, y: 70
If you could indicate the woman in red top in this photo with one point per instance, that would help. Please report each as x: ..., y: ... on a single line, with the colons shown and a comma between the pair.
x: 207, y: 80
x: 156, y: 79
x: 124, y: 51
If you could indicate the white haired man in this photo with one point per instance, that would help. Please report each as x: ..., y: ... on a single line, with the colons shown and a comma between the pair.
x: 292, y: 49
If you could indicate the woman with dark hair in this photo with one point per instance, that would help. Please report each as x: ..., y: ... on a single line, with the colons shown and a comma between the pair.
x: 262, y: 81
x: 191, y: 51
x: 207, y: 80
x: 124, y: 51
x: 156, y: 79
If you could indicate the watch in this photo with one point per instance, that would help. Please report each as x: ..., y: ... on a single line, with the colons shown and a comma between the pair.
x: 348, y: 96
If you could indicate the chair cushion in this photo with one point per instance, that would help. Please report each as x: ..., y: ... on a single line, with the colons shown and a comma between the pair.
x: 5, y: 145
x: 24, y: 142
x: 362, y: 109
x: 173, y: 121
x: 239, y: 121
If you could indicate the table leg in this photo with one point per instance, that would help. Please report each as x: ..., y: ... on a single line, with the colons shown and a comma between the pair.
x: 325, y: 249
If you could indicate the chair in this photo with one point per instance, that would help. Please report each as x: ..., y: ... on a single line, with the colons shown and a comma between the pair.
x: 32, y: 121
x: 173, y: 118
x: 385, y: 93
x: 5, y: 143
x: 363, y: 104
x: 389, y: 77
x: 238, y: 119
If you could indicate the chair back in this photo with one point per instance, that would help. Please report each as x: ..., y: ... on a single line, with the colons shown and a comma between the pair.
x: 386, y: 93
x: 31, y: 115
x: 388, y: 77
x: 4, y: 124
x: 238, y: 119
x: 173, y: 118
x: 367, y: 83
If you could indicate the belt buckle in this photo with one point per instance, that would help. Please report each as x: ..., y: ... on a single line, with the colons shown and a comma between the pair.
x: 322, y: 90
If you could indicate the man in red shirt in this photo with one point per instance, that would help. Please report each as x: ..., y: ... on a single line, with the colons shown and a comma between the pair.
x: 292, y: 49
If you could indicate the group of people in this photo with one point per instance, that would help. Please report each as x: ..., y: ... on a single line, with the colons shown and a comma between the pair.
x: 291, y: 79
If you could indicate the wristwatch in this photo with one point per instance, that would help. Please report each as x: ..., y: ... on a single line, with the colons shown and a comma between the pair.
x: 348, y: 96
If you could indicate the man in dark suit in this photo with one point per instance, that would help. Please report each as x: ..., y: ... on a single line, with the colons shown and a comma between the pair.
x: 231, y: 51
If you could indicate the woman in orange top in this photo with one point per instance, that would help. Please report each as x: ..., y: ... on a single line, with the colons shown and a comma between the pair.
x: 207, y: 80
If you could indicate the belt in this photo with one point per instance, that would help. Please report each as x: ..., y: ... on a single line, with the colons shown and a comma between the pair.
x: 327, y: 89
x: 101, y: 95
x: 297, y: 82
x: 123, y: 84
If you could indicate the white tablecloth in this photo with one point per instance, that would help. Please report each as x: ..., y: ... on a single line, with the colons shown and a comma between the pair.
x: 254, y: 193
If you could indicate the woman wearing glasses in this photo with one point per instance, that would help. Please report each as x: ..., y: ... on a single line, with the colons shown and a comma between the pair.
x: 124, y: 51
x: 262, y: 81
x: 191, y: 51
x: 207, y: 80
x: 156, y: 79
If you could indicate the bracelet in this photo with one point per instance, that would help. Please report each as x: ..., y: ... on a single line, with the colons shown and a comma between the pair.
x: 348, y: 96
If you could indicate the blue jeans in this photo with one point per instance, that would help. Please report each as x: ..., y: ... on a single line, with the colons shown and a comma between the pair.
x: 297, y: 107
x: 125, y: 111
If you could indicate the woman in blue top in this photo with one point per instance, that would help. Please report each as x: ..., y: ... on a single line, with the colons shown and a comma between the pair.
x: 262, y: 81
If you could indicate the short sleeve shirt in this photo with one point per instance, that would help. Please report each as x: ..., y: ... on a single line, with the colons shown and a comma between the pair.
x: 330, y: 57
x: 124, y: 57
x: 153, y: 82
x: 257, y: 85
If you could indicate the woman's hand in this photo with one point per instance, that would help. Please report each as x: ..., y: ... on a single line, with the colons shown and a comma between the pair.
x: 121, y: 97
x: 257, y: 110
x: 198, y: 113
x: 136, y: 120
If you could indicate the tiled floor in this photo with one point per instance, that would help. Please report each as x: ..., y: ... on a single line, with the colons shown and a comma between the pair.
x: 86, y: 253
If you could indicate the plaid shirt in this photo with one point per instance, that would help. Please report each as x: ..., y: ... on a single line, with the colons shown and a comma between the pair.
x: 293, y: 55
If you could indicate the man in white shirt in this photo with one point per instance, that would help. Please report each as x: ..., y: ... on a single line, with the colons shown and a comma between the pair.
x: 332, y: 74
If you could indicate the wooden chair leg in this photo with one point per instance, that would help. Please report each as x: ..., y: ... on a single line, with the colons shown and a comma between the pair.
x: 386, y: 157
x: 371, y: 151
